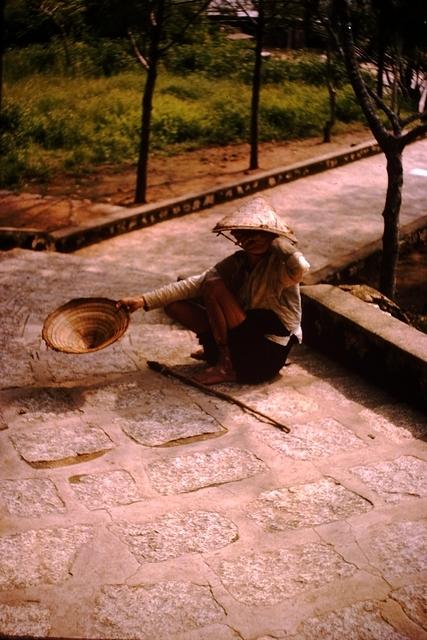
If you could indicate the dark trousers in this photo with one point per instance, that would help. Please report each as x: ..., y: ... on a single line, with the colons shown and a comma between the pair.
x: 255, y: 358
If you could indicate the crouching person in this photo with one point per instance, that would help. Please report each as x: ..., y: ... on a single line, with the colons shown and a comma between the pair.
x: 246, y: 310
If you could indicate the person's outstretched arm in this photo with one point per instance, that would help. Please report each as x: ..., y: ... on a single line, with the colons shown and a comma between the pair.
x: 160, y: 297
x: 132, y: 303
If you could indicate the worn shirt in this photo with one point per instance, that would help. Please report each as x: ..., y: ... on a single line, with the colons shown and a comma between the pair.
x: 273, y: 283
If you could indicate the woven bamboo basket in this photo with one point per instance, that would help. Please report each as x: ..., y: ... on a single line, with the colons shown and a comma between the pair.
x: 84, y: 325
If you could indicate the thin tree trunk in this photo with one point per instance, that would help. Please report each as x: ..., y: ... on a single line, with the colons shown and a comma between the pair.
x: 51, y: 13
x: 147, y: 104
x: 380, y: 70
x: 67, y: 53
x: 381, y: 27
x: 144, y: 142
x: 355, y: 76
x: 392, y: 145
x: 69, y: 63
x: 256, y: 87
x: 327, y: 130
x: 391, y: 222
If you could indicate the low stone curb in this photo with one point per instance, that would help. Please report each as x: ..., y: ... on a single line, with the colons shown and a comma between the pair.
x: 369, y: 341
x: 123, y: 220
x: 13, y: 238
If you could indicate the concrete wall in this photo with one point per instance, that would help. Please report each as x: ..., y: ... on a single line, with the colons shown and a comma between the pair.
x: 361, y: 336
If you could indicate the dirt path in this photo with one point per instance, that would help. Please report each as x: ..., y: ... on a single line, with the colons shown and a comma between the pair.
x: 192, y: 171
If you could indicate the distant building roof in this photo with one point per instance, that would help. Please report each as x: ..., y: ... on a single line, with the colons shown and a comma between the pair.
x: 238, y: 8
x: 239, y: 36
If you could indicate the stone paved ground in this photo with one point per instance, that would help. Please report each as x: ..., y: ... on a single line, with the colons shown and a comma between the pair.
x: 134, y: 507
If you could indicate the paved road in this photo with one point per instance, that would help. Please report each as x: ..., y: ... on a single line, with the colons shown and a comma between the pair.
x: 135, y: 507
x: 333, y: 214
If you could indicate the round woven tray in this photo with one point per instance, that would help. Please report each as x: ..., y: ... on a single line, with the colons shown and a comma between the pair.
x: 84, y: 325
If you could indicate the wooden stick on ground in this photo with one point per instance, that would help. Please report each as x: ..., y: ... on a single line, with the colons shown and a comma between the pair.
x: 165, y: 370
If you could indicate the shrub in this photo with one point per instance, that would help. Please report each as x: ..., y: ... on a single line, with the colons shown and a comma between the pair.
x: 11, y: 118
x: 216, y: 58
x: 13, y: 143
x: 174, y: 128
x: 348, y: 110
x: 175, y: 121
x: 298, y: 111
x: 110, y: 57
x: 51, y: 123
x: 101, y: 57
x: 181, y: 91
x: 301, y: 67
x: 34, y: 59
x: 13, y: 165
x: 227, y: 122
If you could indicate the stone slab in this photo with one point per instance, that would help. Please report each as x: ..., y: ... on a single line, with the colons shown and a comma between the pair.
x: 168, y: 417
x: 174, y: 534
x: 40, y: 556
x: 148, y: 339
x: 197, y: 470
x: 63, y: 368
x: 173, y: 430
x: 15, y: 366
x: 60, y: 443
x: 144, y: 612
x: 413, y: 600
x: 313, y: 439
x: 103, y: 490
x: 363, y: 621
x: 24, y: 357
x: 39, y: 404
x: 270, y: 577
x: 290, y: 404
x: 396, y: 422
x: 397, y: 549
x: 116, y: 396
x: 307, y: 505
x: 396, y: 479
x: 26, y: 619
x: 30, y: 497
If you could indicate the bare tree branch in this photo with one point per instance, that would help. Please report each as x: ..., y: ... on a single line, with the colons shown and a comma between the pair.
x: 394, y: 120
x: 414, y: 134
x: 193, y: 18
x: 359, y: 85
x: 144, y: 62
x: 413, y: 118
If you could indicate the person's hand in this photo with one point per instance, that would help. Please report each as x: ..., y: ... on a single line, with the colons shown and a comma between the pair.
x: 130, y: 304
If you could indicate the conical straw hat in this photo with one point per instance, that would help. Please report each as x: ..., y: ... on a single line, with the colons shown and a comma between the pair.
x: 257, y: 214
x: 84, y: 325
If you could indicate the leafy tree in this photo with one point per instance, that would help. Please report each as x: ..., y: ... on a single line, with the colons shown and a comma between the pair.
x: 152, y: 27
x: 392, y: 131
x: 40, y: 21
x: 65, y: 15
x: 256, y: 84
x: 255, y: 13
x: 327, y: 37
x: 265, y: 15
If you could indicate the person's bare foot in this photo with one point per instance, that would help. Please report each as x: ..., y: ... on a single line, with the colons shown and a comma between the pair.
x: 214, y: 375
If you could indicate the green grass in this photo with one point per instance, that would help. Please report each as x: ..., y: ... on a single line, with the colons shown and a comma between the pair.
x: 53, y: 123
